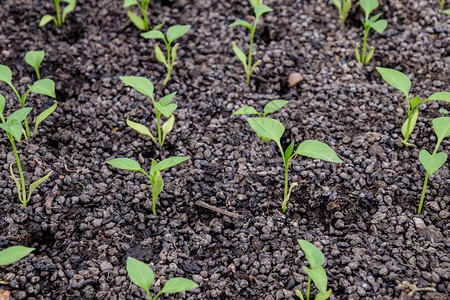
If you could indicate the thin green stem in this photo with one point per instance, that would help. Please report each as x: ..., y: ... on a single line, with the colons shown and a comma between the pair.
x: 157, y: 295
x: 153, y: 202
x: 424, y: 189
x: 309, y: 288
x: 442, y: 4
x: 148, y: 295
x: 19, y: 167
x: 366, y: 35
x: 58, y: 13
x: 249, y: 62
x: 158, y: 120
x: 17, y: 93
x: 169, y: 63
x: 144, y: 16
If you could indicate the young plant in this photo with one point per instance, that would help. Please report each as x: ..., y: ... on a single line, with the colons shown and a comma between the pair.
x: 269, y: 108
x: 142, y: 276
x: 41, y: 86
x: 13, y: 128
x: 173, y: 33
x: 378, y: 25
x: 155, y: 177
x: 432, y: 162
x: 259, y: 10
x: 316, y: 273
x: 401, y: 82
x: 443, y: 112
x: 141, y: 23
x: 344, y: 7
x: 58, y: 20
x: 163, y: 107
x: 255, y: 3
x: 271, y: 129
x: 12, y: 254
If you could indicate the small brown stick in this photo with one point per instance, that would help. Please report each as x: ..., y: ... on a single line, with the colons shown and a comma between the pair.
x: 218, y: 210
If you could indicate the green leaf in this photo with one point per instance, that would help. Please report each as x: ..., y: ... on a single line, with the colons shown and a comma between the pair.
x: 440, y: 96
x: 13, y: 254
x: 167, y: 99
x: 267, y: 128
x: 160, y: 55
x: 323, y: 295
x: 447, y: 12
x: 69, y: 8
x: 313, y: 255
x: 35, y: 184
x: 18, y: 185
x: 140, y: 128
x: 255, y: 3
x: 128, y: 3
x: 167, y: 127
x: 442, y: 127
x: 318, y: 150
x: 5, y: 74
x: 375, y: 18
x: 432, y: 163
x: 299, y: 294
x: 289, y: 151
x: 396, y: 79
x: 15, y: 128
x: 45, y: 19
x: 379, y: 26
x: 319, y: 277
x: 141, y: 84
x: 415, y: 101
x: 240, y: 55
x: 442, y: 111
x: 166, y: 110
x: 337, y: 3
x: 139, y: 273
x: 137, y: 21
x: 153, y: 34
x: 246, y: 110
x: 261, y: 9
x: 241, y: 23
x: 177, y: 31
x: 273, y: 106
x: 20, y: 114
x: 178, y: 284
x: 2, y: 106
x: 169, y: 162
x: 34, y: 59
x: 125, y: 164
x: 157, y: 186
x: 45, y: 87
x: 42, y: 116
x: 174, y: 52
x: 159, y: 26
x: 369, y: 55
x: 358, y: 56
x: 405, y: 131
x: 368, y: 6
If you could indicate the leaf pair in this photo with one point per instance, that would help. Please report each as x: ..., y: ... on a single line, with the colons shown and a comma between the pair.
x: 259, y: 10
x: 317, y: 273
x: 58, y: 20
x: 12, y: 254
x: 164, y: 107
x: 343, y: 8
x: 13, y: 125
x: 154, y: 175
x: 173, y: 33
x: 139, y: 22
x: 401, y: 82
x: 142, y: 276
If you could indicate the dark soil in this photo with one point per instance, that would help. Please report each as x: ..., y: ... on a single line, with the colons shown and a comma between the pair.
x: 361, y: 213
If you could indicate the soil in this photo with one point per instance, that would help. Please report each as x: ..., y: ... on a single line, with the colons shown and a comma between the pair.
x: 89, y: 217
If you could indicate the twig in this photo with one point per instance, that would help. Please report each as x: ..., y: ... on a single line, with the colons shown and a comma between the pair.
x: 218, y: 210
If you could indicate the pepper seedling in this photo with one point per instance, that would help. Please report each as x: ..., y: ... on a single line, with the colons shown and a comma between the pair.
x: 12, y: 254
x: 378, y: 25
x: 142, y: 276
x: 173, y: 33
x: 401, y: 82
x: 58, y: 19
x: 259, y: 10
x: 155, y: 177
x: 316, y: 273
x: 140, y: 22
x: 13, y: 128
x: 41, y: 86
x: 269, y: 108
x: 273, y: 130
x: 443, y: 111
x: 432, y: 162
x: 163, y: 107
x: 344, y: 7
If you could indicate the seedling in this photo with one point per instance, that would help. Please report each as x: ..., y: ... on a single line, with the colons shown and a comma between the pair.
x: 12, y: 254
x: 140, y: 22
x: 316, y: 273
x: 255, y: 3
x: 401, y: 82
x: 58, y: 20
x: 269, y: 108
x: 443, y: 112
x: 173, y: 33
x: 155, y: 177
x: 41, y: 86
x: 344, y: 7
x: 164, y: 107
x: 378, y: 25
x: 259, y: 10
x: 142, y: 276
x: 432, y: 162
x: 271, y: 129
x: 13, y: 128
